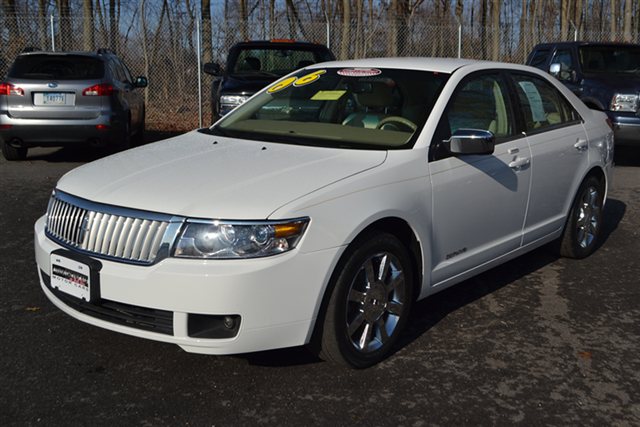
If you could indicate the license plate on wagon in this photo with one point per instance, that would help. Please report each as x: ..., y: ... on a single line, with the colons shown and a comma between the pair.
x: 71, y: 277
x: 52, y: 98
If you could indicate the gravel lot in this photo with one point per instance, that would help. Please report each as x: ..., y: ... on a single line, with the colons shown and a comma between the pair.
x: 537, y: 341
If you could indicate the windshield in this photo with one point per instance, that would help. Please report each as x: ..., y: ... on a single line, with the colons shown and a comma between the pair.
x: 340, y: 107
x: 610, y: 59
x: 275, y: 61
x: 57, y: 67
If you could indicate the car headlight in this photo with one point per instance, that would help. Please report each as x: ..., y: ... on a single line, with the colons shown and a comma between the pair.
x: 229, y: 102
x: 238, y: 239
x: 624, y: 102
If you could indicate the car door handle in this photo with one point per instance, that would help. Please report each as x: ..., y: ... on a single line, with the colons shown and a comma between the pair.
x: 581, y: 145
x: 519, y: 163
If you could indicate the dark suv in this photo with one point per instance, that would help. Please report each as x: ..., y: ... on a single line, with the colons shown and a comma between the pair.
x: 605, y: 76
x: 63, y: 98
x: 253, y: 65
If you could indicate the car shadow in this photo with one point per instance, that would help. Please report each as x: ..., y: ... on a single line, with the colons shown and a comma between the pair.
x: 430, y: 311
x: 85, y: 154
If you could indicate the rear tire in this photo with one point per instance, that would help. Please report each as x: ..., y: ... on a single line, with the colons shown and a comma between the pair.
x: 13, y: 153
x: 370, y: 301
x: 582, y: 231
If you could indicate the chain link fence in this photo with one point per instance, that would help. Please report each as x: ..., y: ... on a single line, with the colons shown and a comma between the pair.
x: 168, y: 48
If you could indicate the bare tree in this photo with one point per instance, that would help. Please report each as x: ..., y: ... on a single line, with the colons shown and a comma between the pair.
x: 113, y: 25
x: 294, y: 20
x: 244, y: 29
x: 564, y: 18
x: 145, y: 50
x: 64, y: 9
x: 360, y: 37
x: 88, y: 41
x: 207, y: 31
x: 524, y: 39
x: 628, y: 12
x: 42, y: 23
x: 614, y: 20
x: 495, y: 25
x: 392, y: 46
x: 272, y: 19
x: 484, y: 12
x: 346, y: 27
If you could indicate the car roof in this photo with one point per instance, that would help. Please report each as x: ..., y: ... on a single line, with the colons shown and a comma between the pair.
x: 442, y: 65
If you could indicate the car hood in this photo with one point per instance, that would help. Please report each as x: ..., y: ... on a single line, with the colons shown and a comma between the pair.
x: 198, y: 175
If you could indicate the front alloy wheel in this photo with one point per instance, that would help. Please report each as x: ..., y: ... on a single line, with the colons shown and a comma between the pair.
x: 370, y: 303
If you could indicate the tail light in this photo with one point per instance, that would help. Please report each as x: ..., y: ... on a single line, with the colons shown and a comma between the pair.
x: 102, y: 89
x: 9, y: 89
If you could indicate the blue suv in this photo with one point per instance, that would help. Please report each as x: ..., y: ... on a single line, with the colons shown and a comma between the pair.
x: 605, y: 76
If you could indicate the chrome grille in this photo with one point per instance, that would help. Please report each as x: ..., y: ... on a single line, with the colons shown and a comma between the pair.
x: 116, y: 233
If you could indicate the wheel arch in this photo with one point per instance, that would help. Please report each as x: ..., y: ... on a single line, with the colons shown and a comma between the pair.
x: 395, y: 226
x: 599, y: 173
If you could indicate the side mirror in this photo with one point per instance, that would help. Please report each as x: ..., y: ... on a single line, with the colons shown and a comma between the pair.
x: 141, y: 81
x: 564, y: 75
x: 471, y: 141
x: 555, y: 69
x: 212, y: 68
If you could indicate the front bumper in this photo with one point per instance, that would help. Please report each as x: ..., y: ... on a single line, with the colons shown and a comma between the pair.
x: 276, y: 298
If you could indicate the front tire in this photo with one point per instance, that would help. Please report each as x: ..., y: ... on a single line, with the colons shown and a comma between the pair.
x: 583, y: 228
x: 370, y: 301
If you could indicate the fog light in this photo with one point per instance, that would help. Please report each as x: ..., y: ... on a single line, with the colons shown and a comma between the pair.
x: 229, y: 322
x: 213, y: 326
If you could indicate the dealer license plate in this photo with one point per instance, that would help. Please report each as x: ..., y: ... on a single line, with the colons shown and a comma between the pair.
x: 71, y: 277
x: 54, y: 98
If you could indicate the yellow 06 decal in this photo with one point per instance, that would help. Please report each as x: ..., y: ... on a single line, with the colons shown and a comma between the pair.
x: 309, y: 78
x: 296, y: 81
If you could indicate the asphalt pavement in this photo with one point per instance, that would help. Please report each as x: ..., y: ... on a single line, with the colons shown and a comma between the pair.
x: 537, y: 341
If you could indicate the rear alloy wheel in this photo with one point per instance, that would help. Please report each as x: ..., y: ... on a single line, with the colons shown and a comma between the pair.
x: 583, y: 228
x: 13, y: 153
x: 369, y: 304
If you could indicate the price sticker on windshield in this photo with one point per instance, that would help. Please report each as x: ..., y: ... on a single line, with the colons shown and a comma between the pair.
x: 296, y: 81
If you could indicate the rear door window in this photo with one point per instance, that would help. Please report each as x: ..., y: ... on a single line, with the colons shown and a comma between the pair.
x: 542, y: 105
x: 57, y: 67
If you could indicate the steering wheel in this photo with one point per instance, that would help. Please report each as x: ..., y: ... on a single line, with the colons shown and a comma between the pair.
x: 397, y: 120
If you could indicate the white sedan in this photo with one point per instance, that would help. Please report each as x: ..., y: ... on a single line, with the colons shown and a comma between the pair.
x: 321, y: 209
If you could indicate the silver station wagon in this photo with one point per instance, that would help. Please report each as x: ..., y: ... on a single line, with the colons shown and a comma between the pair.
x: 318, y: 211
